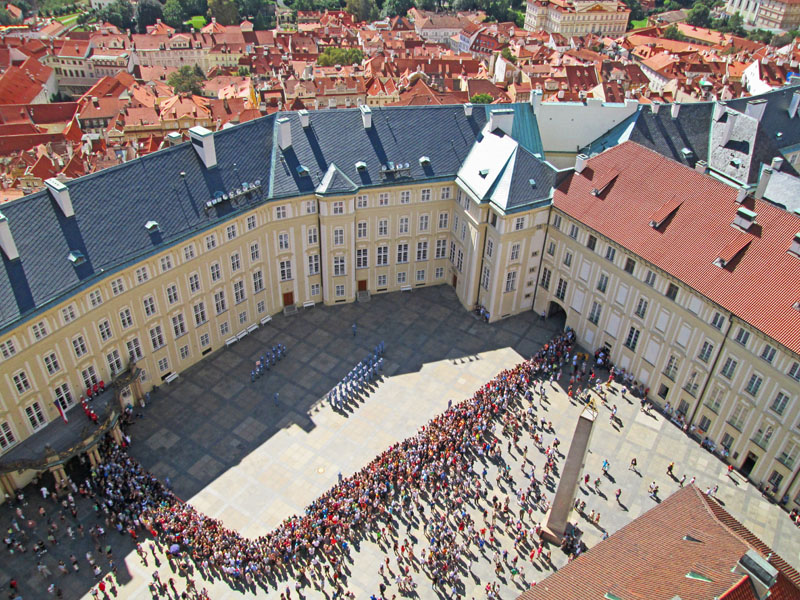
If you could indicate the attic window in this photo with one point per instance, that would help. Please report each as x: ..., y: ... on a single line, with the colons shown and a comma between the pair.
x: 152, y: 226
x: 610, y: 596
x: 76, y: 258
x: 744, y: 218
x: 698, y: 576
x: 303, y: 171
x: 688, y: 538
x: 424, y: 161
x: 483, y: 173
x: 794, y: 248
x: 736, y: 163
x: 361, y: 165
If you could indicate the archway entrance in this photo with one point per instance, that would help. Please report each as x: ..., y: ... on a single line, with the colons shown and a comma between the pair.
x: 556, y: 315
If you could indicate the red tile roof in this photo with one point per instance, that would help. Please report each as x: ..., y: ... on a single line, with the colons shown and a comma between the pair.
x: 698, y: 232
x: 742, y: 590
x: 650, y: 558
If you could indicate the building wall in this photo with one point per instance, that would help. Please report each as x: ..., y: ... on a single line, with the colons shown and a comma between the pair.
x: 679, y: 349
x: 576, y: 21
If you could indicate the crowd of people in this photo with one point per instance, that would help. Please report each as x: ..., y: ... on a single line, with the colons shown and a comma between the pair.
x: 269, y: 358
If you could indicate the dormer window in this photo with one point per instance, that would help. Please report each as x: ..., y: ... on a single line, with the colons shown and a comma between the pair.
x: 794, y: 248
x: 361, y: 165
x: 744, y: 218
x: 76, y: 258
x: 152, y: 226
x: 303, y: 171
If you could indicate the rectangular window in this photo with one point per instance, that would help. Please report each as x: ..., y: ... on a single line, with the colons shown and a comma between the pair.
x: 446, y: 193
x: 172, y: 293
x: 705, y: 351
x: 117, y: 286
x: 199, y: 313
x: 313, y: 264
x: 95, y: 298
x: 163, y: 364
x: 149, y: 306
x: 633, y: 338
x: 780, y: 402
x: 205, y: 340
x: 768, y: 353
x: 39, y: 330
x: 717, y: 321
x: 311, y: 207
x: 35, y: 415
x: 561, y: 289
x: 422, y: 250
x: 705, y: 423
x: 671, y: 370
x: 7, y: 438
x: 134, y: 349
x: 650, y: 278
x: 754, y: 384
x: 421, y: 275
x: 630, y: 265
x: 238, y: 292
x: 7, y: 349
x: 21, y: 382
x: 551, y: 248
x: 285, y: 268
x: 460, y: 260
x: 545, y: 279
x: 715, y: 399
x: 156, y: 337
x: 194, y: 283
x: 166, y: 263
x: 443, y: 218
x: 104, y: 327
x: 610, y: 253
x: 514, y: 254
x: 591, y: 243
x: 602, y: 283
x: 441, y: 248
x: 280, y: 212
x: 313, y: 237
x: 486, y: 278
x: 742, y: 335
x: 51, y: 363
x: 383, y: 199
x: 511, y: 281
x: 594, y: 314
x: 402, y: 253
x: 672, y: 291
x: 361, y: 201
x: 255, y: 252
x: 382, y: 281
x: 729, y: 368
x: 63, y: 393
x: 230, y: 231
x: 405, y: 197
x: 402, y: 227
x: 789, y: 455
x: 79, y: 346
x: 220, y: 302
x: 338, y: 237
x: 89, y: 376
x: 519, y: 223
x: 438, y: 273
x: 383, y: 227
x: 423, y: 222
x: 184, y: 351
x: 401, y: 277
x: 794, y: 371
x: 338, y: 266
x: 283, y: 241
x: 641, y: 308
x: 489, y: 248
x: 188, y: 252
x: 361, y: 230
x: 557, y: 221
x: 338, y: 208
x: 142, y: 274
x: 383, y: 256
x: 125, y: 318
x: 573, y: 231
x: 315, y: 289
x: 251, y: 222
x: 452, y: 252
x: 568, y: 259
x: 236, y: 262
x: 216, y: 272
x: 339, y: 291
x: 258, y: 282
x: 243, y: 317
x: 362, y: 258
x: 114, y: 361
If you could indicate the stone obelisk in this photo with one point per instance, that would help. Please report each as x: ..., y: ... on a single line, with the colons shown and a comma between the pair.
x: 555, y: 523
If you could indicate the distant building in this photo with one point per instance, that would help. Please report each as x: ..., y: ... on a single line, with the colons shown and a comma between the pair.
x: 578, y: 17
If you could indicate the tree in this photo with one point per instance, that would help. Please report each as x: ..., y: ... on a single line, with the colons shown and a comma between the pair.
x: 243, y: 71
x: 506, y: 53
x: 186, y: 79
x: 194, y: 7
x: 637, y: 12
x: 673, y: 33
x: 482, y: 99
x: 147, y: 13
x: 396, y: 8
x: 224, y: 11
x: 5, y: 17
x: 173, y: 14
x: 699, y: 15
x: 340, y: 56
x: 119, y: 13
x: 362, y: 10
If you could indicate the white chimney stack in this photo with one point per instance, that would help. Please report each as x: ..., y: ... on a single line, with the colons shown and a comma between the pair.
x: 501, y: 118
x: 676, y: 108
x: 777, y: 163
x: 284, y: 133
x: 60, y: 194
x: 580, y: 163
x: 305, y: 118
x: 741, y: 194
x: 366, y: 116
x: 793, y: 104
x: 763, y: 182
x: 203, y: 142
x: 756, y: 108
x: 7, y: 240
x: 468, y: 109
x: 654, y: 107
x: 729, y: 125
x: 701, y: 166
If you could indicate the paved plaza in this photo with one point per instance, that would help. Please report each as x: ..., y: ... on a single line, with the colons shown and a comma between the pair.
x: 232, y: 452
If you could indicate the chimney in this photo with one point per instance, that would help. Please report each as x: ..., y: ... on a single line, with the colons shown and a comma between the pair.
x: 536, y: 100
x: 719, y: 110
x: 501, y: 118
x: 366, y: 116
x: 701, y: 166
x: 729, y: 125
x: 203, y: 142
x: 777, y: 163
x: 756, y: 108
x: 654, y: 107
x: 676, y: 107
x: 793, y: 104
x: 305, y: 118
x: 763, y: 181
x: 174, y: 138
x: 7, y: 240
x: 468, y: 109
x: 741, y: 194
x: 60, y: 194
x: 580, y: 163
x: 284, y: 133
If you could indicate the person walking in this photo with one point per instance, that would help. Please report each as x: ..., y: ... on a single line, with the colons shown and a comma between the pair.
x: 275, y: 398
x: 618, y: 493
x: 632, y: 466
x: 354, y: 330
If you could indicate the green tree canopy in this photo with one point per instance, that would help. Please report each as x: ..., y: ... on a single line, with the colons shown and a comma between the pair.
x: 340, y: 56
x: 186, y: 79
x: 224, y: 11
x: 396, y: 8
x: 699, y: 15
x: 147, y: 13
x: 119, y: 13
x: 673, y: 33
x: 194, y: 7
x: 482, y: 99
x: 362, y: 10
x: 506, y: 53
x: 173, y: 14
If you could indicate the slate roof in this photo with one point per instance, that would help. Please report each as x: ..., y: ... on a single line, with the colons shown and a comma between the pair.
x: 113, y: 205
x: 776, y: 118
x: 651, y: 558
x: 668, y: 136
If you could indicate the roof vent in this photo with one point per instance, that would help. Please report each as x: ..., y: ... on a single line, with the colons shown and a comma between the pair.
x: 483, y: 173
x: 424, y: 161
x: 794, y: 248
x: 7, y: 240
x: 698, y: 576
x: 152, y: 226
x: 284, y: 133
x: 580, y: 163
x: 366, y: 116
x: 688, y: 538
x: 303, y: 171
x: 305, y: 117
x: 361, y: 165
x: 468, y: 109
x: 744, y: 218
x: 532, y: 182
x: 203, y: 142
x: 60, y: 194
x: 76, y: 258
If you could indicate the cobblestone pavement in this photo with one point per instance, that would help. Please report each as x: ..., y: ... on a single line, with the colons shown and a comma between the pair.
x: 236, y: 455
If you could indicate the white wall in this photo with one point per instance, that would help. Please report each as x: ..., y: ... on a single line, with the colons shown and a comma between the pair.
x: 569, y: 126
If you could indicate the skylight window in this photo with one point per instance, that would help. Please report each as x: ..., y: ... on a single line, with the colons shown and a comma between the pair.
x: 483, y: 173
x: 698, y: 576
